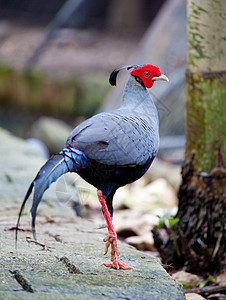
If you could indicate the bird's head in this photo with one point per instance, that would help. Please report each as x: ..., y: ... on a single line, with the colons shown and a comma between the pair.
x: 146, y: 75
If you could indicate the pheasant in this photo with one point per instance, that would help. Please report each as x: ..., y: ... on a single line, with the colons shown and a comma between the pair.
x: 109, y: 150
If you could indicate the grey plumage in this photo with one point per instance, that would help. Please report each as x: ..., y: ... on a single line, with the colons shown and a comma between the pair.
x: 126, y: 136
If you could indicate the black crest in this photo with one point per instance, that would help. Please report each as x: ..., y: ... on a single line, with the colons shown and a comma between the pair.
x: 113, y: 75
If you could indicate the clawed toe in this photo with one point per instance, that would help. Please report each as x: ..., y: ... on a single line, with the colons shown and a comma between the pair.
x: 111, y: 238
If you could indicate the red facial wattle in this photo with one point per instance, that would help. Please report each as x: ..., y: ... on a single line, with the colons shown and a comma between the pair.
x: 148, y: 74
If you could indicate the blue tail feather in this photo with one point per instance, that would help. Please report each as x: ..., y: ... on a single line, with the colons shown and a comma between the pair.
x: 74, y: 158
x: 49, y: 173
x: 68, y: 160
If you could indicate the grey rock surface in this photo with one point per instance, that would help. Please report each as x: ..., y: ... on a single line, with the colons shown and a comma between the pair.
x: 19, y: 165
x: 66, y: 263
x: 52, y: 132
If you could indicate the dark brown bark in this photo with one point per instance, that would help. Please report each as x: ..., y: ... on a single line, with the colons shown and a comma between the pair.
x: 200, y: 233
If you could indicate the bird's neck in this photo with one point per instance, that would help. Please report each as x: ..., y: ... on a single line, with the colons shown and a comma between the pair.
x: 137, y: 99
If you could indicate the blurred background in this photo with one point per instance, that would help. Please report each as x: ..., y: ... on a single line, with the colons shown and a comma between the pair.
x: 55, y: 61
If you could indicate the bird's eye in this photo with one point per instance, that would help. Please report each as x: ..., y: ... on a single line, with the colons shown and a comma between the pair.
x: 147, y: 74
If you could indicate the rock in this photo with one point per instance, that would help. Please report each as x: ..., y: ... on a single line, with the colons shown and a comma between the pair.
x: 38, y: 147
x: 136, y: 228
x: 193, y: 296
x: 166, y: 170
x: 131, y: 220
x: 143, y: 242
x: 157, y: 194
x: 188, y: 280
x: 163, y: 192
x: 52, y: 132
x: 73, y: 244
x: 18, y: 169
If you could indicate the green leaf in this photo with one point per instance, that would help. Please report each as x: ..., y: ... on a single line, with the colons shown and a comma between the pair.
x: 202, y: 284
x: 174, y: 221
x: 210, y: 279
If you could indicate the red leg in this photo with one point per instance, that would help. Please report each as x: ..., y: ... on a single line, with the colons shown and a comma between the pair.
x: 111, y: 238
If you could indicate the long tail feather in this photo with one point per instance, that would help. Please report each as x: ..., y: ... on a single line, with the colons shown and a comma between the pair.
x: 49, y: 173
x: 22, y: 208
x: 68, y: 160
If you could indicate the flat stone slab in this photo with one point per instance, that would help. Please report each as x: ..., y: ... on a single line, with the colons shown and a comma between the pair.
x: 67, y: 264
x: 76, y: 244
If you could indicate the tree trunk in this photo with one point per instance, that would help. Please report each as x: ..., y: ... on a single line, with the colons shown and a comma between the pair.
x: 200, y: 233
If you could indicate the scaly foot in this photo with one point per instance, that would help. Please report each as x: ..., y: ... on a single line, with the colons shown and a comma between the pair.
x: 111, y: 238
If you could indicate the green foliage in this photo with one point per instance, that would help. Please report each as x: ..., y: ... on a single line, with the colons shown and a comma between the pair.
x: 210, y: 279
x: 92, y: 89
x: 162, y: 219
x: 166, y: 217
x: 166, y: 221
x: 38, y: 92
x: 174, y: 221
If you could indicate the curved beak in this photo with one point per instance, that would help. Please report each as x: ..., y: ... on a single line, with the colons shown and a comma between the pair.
x: 161, y: 77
